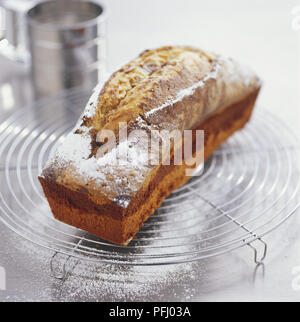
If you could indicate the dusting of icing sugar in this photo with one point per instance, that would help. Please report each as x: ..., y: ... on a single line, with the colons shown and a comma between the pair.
x: 142, y: 124
x: 186, y: 91
x: 76, y: 150
x: 91, y: 106
x: 129, y: 154
x: 75, y: 146
x: 238, y: 73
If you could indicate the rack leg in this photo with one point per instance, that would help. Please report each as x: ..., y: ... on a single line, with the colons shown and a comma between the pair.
x: 63, y: 273
x: 257, y: 260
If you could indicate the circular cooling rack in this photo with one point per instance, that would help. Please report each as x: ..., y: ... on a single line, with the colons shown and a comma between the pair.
x: 249, y: 186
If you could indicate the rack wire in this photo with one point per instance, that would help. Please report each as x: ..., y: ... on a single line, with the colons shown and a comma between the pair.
x: 248, y: 188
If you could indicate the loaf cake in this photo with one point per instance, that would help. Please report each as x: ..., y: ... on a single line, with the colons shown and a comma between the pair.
x: 169, y: 88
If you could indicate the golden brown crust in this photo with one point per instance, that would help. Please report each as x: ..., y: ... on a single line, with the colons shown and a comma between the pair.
x: 161, y: 73
x: 139, y: 90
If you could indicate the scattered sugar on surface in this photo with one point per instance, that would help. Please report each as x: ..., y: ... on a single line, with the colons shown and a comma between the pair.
x: 122, y: 283
x: 89, y: 281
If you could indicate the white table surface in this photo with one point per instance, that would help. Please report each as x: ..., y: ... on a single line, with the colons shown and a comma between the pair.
x: 259, y: 33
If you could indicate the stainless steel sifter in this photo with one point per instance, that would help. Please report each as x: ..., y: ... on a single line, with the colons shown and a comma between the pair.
x: 66, y: 39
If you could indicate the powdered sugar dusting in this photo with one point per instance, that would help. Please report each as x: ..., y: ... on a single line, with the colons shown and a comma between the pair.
x: 75, y: 147
x: 91, y: 106
x: 122, y: 170
x: 76, y: 150
x: 90, y: 281
x: 238, y: 74
x: 126, y: 157
x: 126, y: 154
x: 186, y: 91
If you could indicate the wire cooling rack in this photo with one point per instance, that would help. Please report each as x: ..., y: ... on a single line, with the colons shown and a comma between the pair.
x: 248, y: 188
